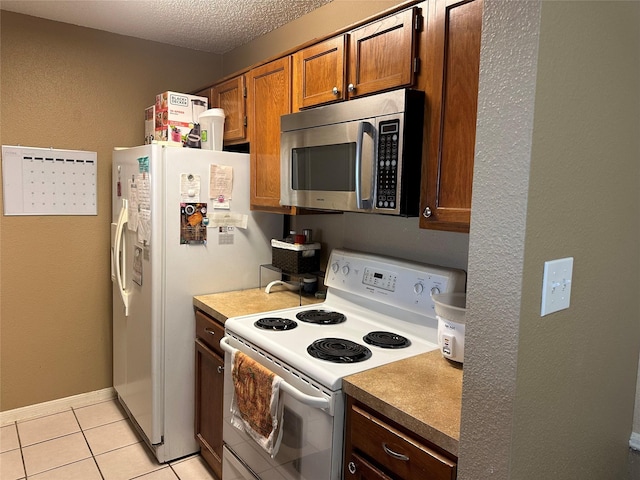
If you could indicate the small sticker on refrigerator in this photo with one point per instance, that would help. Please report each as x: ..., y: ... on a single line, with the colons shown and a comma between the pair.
x: 225, y: 235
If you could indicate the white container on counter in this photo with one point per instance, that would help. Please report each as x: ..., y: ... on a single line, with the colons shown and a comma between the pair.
x: 212, y: 128
x: 450, y: 312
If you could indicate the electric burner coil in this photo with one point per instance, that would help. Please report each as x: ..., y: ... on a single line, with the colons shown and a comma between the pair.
x: 324, y: 317
x: 338, y: 350
x: 275, y: 323
x: 386, y: 340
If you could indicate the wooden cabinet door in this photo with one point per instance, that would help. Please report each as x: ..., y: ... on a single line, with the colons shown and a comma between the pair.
x: 382, y: 54
x: 230, y: 96
x: 268, y: 97
x: 319, y: 73
x: 453, y: 45
x: 209, y: 378
x: 205, y: 93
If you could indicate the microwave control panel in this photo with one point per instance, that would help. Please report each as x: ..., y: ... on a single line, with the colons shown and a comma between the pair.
x: 387, y: 168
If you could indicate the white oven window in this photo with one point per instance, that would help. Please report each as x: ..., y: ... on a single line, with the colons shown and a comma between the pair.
x: 308, y: 442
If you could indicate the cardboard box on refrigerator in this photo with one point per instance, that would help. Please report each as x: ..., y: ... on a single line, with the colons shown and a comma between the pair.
x: 177, y: 118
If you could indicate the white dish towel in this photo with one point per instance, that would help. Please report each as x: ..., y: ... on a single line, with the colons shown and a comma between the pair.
x: 256, y: 407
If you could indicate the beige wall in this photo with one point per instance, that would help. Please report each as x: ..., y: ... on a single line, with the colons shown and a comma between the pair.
x: 577, y: 368
x: 77, y: 88
x: 557, y: 174
x: 71, y: 88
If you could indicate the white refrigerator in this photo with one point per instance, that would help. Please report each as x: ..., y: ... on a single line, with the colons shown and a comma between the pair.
x: 181, y: 226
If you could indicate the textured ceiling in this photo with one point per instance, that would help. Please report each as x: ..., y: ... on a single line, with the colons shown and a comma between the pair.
x: 215, y: 26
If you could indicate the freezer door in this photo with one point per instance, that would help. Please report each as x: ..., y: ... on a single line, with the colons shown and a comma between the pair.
x: 137, y: 326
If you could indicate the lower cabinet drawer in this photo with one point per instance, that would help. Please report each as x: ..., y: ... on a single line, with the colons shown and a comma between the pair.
x: 359, y: 469
x: 400, y: 454
x: 210, y: 331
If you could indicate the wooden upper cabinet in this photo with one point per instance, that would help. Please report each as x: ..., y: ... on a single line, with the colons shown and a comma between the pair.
x: 268, y: 98
x: 319, y: 73
x: 453, y: 47
x: 382, y: 54
x: 205, y: 93
x: 230, y: 96
x: 379, y: 56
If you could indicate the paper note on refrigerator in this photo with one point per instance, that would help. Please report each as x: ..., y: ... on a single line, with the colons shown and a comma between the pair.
x: 220, y: 185
x: 227, y: 219
x: 144, y: 207
x: 189, y: 187
x: 132, y: 207
x: 144, y: 226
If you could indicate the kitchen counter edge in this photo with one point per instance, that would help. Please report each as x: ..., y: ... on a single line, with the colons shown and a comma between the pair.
x: 247, y: 302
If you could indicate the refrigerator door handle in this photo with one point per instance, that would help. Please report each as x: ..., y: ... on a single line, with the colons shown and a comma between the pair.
x: 119, y: 253
x: 114, y: 226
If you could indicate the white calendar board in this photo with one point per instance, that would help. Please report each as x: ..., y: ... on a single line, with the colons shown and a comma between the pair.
x: 47, y: 181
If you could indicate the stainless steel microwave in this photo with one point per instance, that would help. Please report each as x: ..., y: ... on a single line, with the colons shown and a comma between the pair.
x: 361, y: 155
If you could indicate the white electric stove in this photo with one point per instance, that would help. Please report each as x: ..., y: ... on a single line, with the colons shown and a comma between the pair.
x: 377, y: 310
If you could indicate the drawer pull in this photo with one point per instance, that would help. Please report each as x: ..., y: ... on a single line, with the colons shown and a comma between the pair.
x: 210, y: 331
x: 220, y: 369
x: 397, y: 456
x: 352, y: 468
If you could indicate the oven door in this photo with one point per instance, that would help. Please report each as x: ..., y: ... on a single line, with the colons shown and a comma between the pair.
x: 329, y: 167
x: 311, y: 447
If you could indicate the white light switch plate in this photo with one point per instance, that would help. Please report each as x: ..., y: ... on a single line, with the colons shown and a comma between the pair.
x: 556, y: 285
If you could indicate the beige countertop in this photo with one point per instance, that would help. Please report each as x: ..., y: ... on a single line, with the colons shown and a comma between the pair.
x: 245, y: 302
x: 421, y: 393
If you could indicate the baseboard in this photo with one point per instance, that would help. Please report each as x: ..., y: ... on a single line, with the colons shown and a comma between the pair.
x: 634, y: 441
x: 54, y: 406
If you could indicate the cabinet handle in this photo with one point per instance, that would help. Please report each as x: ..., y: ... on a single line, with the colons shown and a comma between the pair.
x: 210, y: 331
x: 220, y: 369
x: 397, y: 456
x: 427, y: 212
x: 351, y: 88
x: 335, y: 91
x: 352, y: 468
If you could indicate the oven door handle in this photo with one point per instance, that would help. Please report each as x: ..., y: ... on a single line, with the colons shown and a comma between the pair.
x: 310, y: 400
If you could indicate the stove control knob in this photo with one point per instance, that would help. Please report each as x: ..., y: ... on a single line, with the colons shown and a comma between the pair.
x: 435, y: 290
x: 418, y: 288
x: 335, y: 267
x: 345, y: 270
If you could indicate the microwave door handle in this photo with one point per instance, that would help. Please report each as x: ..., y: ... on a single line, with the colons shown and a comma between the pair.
x: 363, y: 127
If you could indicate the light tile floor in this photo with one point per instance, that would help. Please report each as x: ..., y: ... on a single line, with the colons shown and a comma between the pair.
x: 94, y: 442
